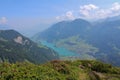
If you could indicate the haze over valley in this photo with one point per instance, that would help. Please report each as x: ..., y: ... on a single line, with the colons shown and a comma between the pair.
x: 59, y: 40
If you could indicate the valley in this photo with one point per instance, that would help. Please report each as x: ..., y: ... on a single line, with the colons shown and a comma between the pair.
x: 98, y: 41
x: 59, y: 39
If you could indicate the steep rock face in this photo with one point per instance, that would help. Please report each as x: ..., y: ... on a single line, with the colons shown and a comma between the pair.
x: 98, y: 40
x: 16, y: 47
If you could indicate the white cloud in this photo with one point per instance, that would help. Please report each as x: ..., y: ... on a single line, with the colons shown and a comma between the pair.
x: 3, y: 20
x: 115, y: 6
x: 67, y: 16
x: 92, y: 11
x: 58, y: 17
x: 102, y: 13
x: 89, y: 7
x: 86, y: 10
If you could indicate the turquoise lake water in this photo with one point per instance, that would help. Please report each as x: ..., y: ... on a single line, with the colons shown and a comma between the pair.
x: 60, y: 50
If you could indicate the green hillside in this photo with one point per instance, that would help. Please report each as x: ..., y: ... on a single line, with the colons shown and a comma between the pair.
x: 16, y: 47
x: 59, y: 70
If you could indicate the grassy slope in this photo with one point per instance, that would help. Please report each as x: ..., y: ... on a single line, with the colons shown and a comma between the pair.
x: 59, y: 70
x: 78, y: 46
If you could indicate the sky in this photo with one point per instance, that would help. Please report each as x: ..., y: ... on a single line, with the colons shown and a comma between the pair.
x: 32, y: 16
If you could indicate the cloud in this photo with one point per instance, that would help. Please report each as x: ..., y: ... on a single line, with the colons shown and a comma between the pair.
x: 67, y: 16
x: 92, y: 11
x: 3, y: 20
x: 89, y: 7
x: 101, y: 13
x: 115, y: 6
x: 58, y: 17
x: 86, y: 10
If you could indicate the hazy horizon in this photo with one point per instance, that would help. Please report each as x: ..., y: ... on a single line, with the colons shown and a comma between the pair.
x: 32, y: 16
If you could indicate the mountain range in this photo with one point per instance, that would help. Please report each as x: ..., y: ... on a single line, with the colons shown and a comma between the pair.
x: 95, y: 40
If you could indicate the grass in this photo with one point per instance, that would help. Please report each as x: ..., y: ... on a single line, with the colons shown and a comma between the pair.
x: 59, y: 70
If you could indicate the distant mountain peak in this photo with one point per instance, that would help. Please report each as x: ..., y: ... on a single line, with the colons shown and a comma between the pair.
x: 79, y: 19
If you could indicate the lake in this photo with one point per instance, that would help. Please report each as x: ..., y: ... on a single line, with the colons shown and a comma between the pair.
x: 63, y: 52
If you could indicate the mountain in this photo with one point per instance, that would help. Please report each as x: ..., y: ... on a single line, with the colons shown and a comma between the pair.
x: 105, y: 36
x: 15, y: 47
x: 59, y: 70
x: 113, y: 18
x: 88, y: 40
x: 64, y: 29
